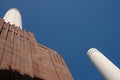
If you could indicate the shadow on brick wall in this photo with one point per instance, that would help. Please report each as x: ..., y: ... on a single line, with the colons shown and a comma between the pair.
x: 15, y: 75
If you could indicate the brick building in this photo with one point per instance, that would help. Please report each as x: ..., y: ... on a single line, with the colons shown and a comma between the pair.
x: 23, y: 58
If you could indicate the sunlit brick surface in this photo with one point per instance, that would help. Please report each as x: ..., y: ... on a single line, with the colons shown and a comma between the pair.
x: 20, y: 52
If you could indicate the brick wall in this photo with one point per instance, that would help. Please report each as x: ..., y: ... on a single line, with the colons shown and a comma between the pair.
x: 20, y: 52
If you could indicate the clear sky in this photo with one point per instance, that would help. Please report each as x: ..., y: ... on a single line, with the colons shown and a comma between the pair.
x: 71, y: 27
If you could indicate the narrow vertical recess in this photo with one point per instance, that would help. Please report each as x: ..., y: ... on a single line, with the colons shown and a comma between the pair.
x: 22, y: 68
x: 1, y: 24
x: 55, y: 57
x: 62, y: 61
x: 54, y: 64
x: 58, y: 57
x: 3, y: 44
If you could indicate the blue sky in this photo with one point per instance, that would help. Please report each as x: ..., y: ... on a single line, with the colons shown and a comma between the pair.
x: 71, y: 27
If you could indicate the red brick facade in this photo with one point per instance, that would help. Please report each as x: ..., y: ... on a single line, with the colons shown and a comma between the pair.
x: 22, y: 58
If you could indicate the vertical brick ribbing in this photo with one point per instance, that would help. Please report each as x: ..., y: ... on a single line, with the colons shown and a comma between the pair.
x: 27, y: 55
x: 19, y: 51
x: 4, y: 33
x: 33, y: 51
x: 8, y: 50
x: 16, y: 50
x: 1, y: 40
x: 21, y: 55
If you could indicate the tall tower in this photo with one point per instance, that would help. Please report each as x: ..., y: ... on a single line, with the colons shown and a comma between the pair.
x: 23, y: 58
x: 108, y: 70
